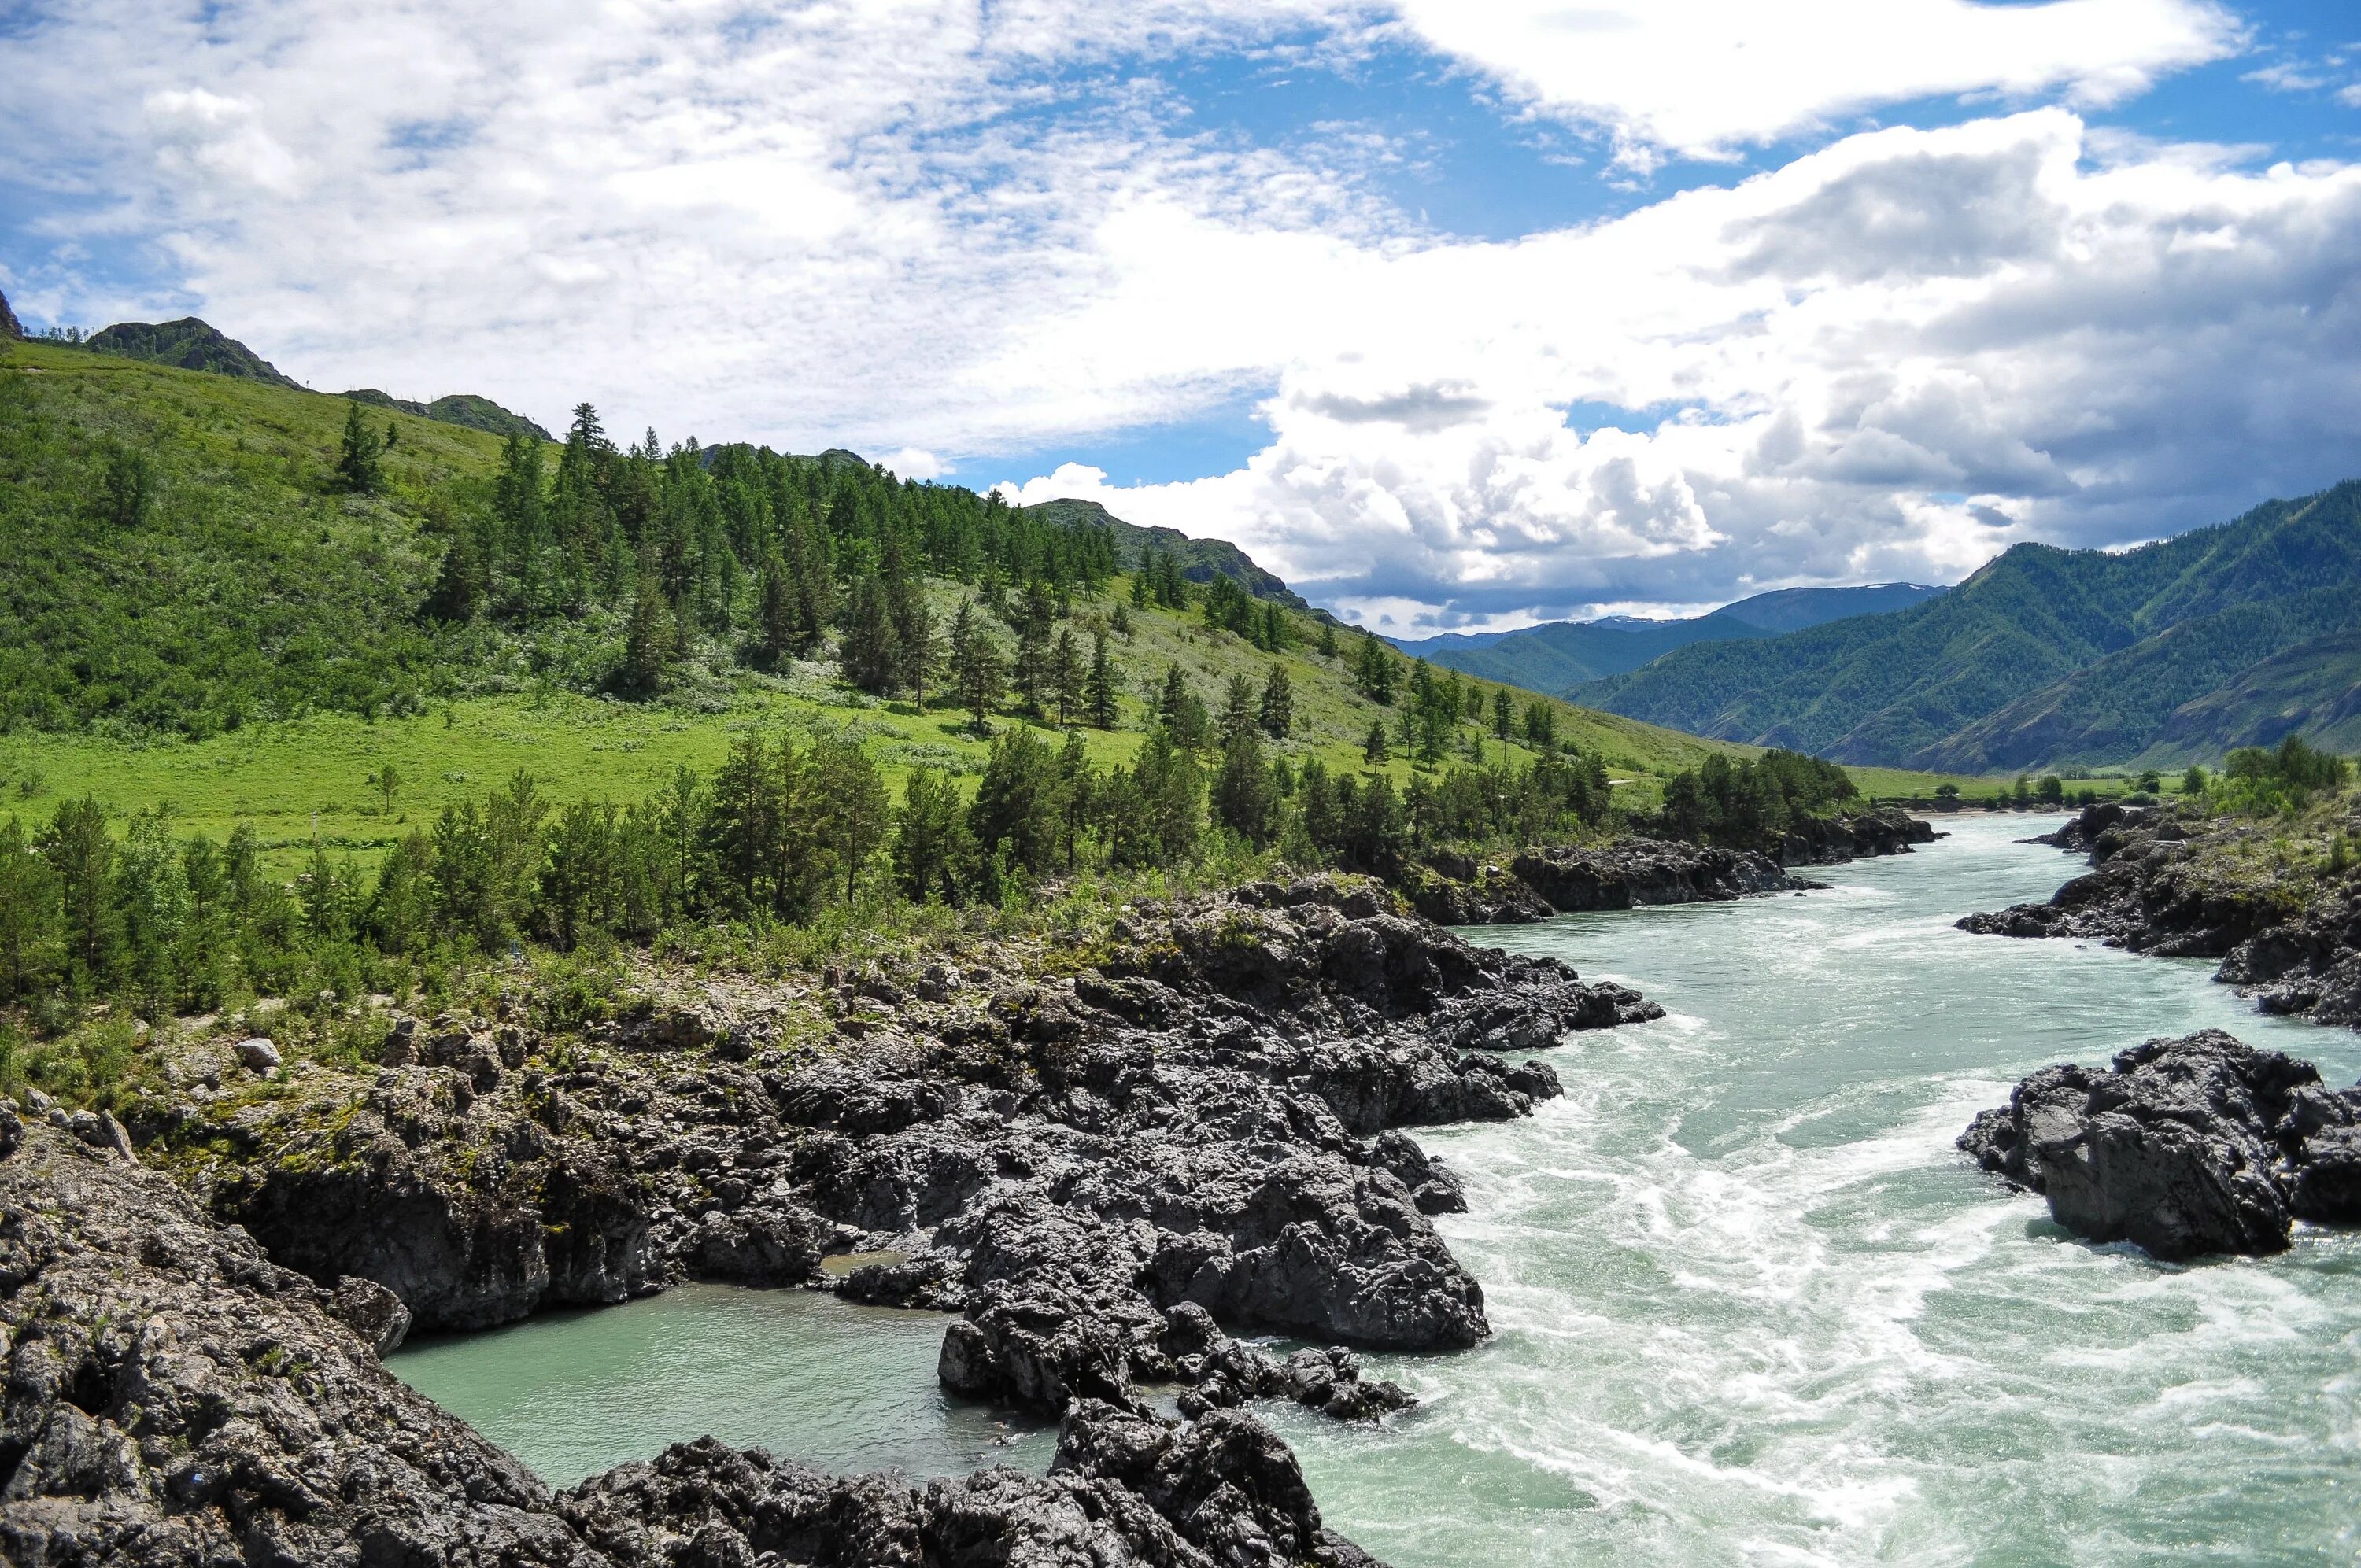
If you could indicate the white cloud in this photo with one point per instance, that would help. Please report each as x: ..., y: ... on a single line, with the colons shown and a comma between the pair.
x: 1703, y: 77
x: 939, y: 231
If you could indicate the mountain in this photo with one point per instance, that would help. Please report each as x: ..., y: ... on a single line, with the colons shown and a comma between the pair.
x: 11, y: 330
x: 1201, y: 560
x: 2313, y: 689
x: 2043, y: 655
x: 1562, y: 654
x: 1793, y: 609
x: 191, y: 344
x: 463, y: 409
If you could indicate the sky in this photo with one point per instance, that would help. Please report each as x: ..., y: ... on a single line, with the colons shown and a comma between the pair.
x: 1459, y: 316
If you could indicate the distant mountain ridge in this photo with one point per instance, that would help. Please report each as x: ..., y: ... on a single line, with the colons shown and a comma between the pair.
x: 1562, y: 653
x: 1201, y: 560
x: 2043, y: 657
x: 463, y: 409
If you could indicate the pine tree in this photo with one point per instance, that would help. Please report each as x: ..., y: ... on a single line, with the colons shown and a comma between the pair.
x: 1541, y: 726
x: 1277, y: 715
x: 1120, y: 623
x: 648, y: 642
x: 1243, y: 798
x: 1066, y: 674
x: 1139, y: 592
x: 1503, y: 711
x: 919, y: 650
x: 977, y: 673
x: 1099, y: 691
x: 1239, y: 709
x: 357, y: 466
x: 868, y: 653
x: 1173, y: 699
x: 931, y: 843
x: 780, y: 639
x: 1373, y: 750
x: 454, y: 597
x: 1327, y: 639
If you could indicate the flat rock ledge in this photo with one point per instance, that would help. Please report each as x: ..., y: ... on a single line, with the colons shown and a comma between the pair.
x: 173, y: 1398
x: 2183, y: 1147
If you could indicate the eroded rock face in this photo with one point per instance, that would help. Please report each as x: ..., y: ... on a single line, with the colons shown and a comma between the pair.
x: 2184, y: 1146
x: 2153, y: 889
x: 173, y: 1398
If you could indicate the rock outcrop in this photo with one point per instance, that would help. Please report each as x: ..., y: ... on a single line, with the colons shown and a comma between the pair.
x: 172, y: 1396
x: 1209, y: 1116
x: 2163, y: 884
x: 2184, y: 1147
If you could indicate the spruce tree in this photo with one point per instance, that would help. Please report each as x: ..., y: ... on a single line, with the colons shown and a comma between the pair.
x: 1503, y: 712
x: 1244, y: 800
x: 453, y: 598
x: 1327, y: 639
x: 1373, y: 750
x: 1277, y: 714
x: 1099, y: 691
x: 1066, y: 676
x: 356, y: 466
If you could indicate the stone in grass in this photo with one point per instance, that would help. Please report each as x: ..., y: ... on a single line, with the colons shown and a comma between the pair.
x: 257, y: 1054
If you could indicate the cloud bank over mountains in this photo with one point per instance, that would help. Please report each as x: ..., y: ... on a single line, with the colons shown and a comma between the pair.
x: 947, y: 233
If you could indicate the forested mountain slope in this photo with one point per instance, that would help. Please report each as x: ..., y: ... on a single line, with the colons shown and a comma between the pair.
x: 1934, y: 685
x: 1564, y: 654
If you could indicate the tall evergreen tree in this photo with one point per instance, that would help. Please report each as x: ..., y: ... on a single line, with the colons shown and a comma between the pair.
x: 649, y: 640
x: 1503, y: 716
x: 1066, y: 676
x: 868, y: 654
x: 1278, y: 711
x: 356, y: 466
x: 1099, y: 691
x: 931, y: 842
x: 1240, y: 711
x: 920, y: 648
x: 978, y: 675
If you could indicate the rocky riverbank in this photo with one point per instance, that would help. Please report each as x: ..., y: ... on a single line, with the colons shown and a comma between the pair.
x: 1106, y: 1161
x: 2169, y: 881
x: 175, y: 1398
x: 2184, y: 1147
x: 1456, y: 890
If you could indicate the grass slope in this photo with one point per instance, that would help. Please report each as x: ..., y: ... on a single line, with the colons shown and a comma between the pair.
x: 2312, y: 690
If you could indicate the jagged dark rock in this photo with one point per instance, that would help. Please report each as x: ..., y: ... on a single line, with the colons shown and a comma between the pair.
x: 2155, y: 888
x: 11, y: 329
x: 1212, y: 1115
x: 1631, y: 873
x: 172, y: 1396
x: 2185, y: 1147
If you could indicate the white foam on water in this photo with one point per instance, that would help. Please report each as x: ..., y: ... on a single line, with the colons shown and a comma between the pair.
x: 1752, y: 1302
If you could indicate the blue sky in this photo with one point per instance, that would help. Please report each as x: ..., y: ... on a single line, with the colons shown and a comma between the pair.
x: 1458, y: 316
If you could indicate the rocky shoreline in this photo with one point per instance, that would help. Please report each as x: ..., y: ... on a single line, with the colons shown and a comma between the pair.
x: 1111, y: 1164
x: 2169, y: 882
x: 2184, y: 1147
x: 1107, y: 1168
x: 1630, y: 874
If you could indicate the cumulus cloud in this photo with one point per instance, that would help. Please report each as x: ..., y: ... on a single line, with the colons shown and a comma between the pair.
x: 935, y: 231
x: 1704, y: 77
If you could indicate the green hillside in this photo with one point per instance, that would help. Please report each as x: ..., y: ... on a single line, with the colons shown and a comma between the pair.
x: 204, y: 614
x: 1913, y: 688
x: 459, y: 408
x: 2313, y: 689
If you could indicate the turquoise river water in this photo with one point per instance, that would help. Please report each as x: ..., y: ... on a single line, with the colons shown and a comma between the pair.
x: 1750, y: 1305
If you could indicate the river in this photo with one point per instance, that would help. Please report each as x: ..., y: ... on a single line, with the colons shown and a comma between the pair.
x: 1750, y: 1305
